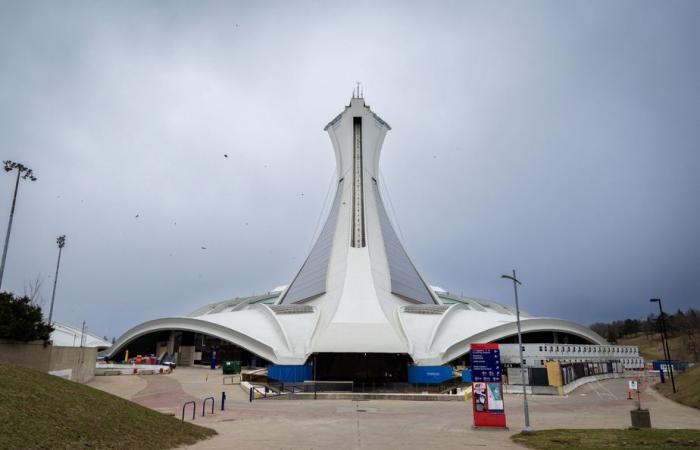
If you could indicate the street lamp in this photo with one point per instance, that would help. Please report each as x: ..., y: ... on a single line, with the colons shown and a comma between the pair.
x: 61, y: 242
x: 26, y: 174
x: 664, y: 342
x: 516, y: 282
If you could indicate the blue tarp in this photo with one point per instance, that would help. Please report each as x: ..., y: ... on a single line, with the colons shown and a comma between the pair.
x: 466, y: 376
x: 288, y: 373
x: 429, y: 374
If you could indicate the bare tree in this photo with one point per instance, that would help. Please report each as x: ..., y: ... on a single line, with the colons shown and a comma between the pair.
x: 32, y: 289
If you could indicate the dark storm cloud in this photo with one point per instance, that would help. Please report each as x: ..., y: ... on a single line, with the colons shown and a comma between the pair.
x: 559, y: 138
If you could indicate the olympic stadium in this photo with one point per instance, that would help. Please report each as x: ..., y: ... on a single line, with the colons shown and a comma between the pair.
x: 358, y: 308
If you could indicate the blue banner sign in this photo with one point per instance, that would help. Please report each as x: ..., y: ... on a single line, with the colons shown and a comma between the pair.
x: 429, y: 374
x: 485, y: 364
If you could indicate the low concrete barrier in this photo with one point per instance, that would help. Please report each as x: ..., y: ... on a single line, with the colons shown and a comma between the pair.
x: 130, y: 369
x: 356, y: 396
x: 553, y: 390
x: 72, y: 363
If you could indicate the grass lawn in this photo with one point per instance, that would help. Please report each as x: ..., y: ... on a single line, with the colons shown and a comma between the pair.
x: 687, y: 385
x: 610, y: 439
x: 41, y: 411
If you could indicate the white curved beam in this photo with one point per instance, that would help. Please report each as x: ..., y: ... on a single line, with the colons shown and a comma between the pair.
x: 201, y: 326
x: 461, y: 347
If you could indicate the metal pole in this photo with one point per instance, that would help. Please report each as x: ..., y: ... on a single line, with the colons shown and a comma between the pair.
x: 61, y: 241
x: 663, y: 347
x: 668, y: 349
x: 82, y: 335
x: 9, y: 228
x: 526, y: 410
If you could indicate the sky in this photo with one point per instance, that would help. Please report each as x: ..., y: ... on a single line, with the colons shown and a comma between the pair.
x: 560, y: 139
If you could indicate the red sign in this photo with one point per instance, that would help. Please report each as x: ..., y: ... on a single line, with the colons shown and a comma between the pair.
x: 487, y: 390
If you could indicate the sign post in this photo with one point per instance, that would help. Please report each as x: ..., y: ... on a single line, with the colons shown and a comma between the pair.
x: 487, y: 390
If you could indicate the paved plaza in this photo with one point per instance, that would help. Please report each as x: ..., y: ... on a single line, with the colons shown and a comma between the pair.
x: 375, y: 424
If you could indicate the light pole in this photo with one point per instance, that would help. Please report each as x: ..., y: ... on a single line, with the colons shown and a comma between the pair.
x: 516, y: 282
x: 61, y: 241
x: 664, y: 342
x: 26, y: 174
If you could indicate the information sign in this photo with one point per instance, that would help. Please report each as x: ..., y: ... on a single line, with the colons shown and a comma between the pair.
x: 487, y: 390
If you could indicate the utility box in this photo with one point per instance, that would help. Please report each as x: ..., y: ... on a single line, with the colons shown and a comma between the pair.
x: 232, y: 367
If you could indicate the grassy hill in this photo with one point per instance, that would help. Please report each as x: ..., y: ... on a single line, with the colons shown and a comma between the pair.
x: 650, y: 346
x: 687, y: 385
x: 41, y: 411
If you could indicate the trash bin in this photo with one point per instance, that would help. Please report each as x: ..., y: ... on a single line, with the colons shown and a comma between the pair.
x: 231, y: 367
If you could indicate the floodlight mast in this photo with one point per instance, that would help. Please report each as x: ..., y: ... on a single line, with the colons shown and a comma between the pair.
x: 61, y: 242
x: 24, y: 173
x: 526, y: 410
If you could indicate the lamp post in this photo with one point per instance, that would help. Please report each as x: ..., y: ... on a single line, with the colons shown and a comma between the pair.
x: 664, y: 342
x: 61, y: 242
x: 516, y: 282
x: 24, y: 173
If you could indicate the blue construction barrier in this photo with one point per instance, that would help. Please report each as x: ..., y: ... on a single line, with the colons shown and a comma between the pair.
x: 429, y: 374
x: 288, y: 373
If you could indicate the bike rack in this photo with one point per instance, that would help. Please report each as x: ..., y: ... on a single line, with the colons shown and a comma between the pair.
x: 194, y: 408
x: 204, y: 404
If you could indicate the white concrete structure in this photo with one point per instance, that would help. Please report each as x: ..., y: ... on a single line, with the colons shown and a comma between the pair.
x: 536, y: 355
x: 358, y: 291
x: 67, y: 336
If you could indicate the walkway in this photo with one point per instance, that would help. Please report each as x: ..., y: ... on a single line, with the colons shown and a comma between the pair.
x: 375, y: 424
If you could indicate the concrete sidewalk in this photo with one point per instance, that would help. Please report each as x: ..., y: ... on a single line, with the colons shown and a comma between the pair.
x: 375, y: 424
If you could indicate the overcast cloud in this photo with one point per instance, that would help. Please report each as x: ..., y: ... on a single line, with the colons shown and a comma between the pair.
x: 557, y: 138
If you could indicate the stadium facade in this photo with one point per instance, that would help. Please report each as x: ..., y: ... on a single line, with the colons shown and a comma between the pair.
x: 358, y: 307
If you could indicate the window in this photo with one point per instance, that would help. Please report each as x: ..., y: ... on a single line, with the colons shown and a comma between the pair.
x: 540, y: 348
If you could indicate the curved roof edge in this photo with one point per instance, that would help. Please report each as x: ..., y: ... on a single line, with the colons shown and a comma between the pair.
x: 205, y: 327
x: 461, y: 347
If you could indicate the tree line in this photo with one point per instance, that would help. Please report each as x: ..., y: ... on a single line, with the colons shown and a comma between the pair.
x: 680, y: 323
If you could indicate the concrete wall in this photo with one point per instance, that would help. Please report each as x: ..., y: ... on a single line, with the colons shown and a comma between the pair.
x: 185, y: 356
x: 73, y: 363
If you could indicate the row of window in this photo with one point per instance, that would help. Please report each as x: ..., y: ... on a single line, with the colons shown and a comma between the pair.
x: 636, y: 361
x: 592, y: 349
